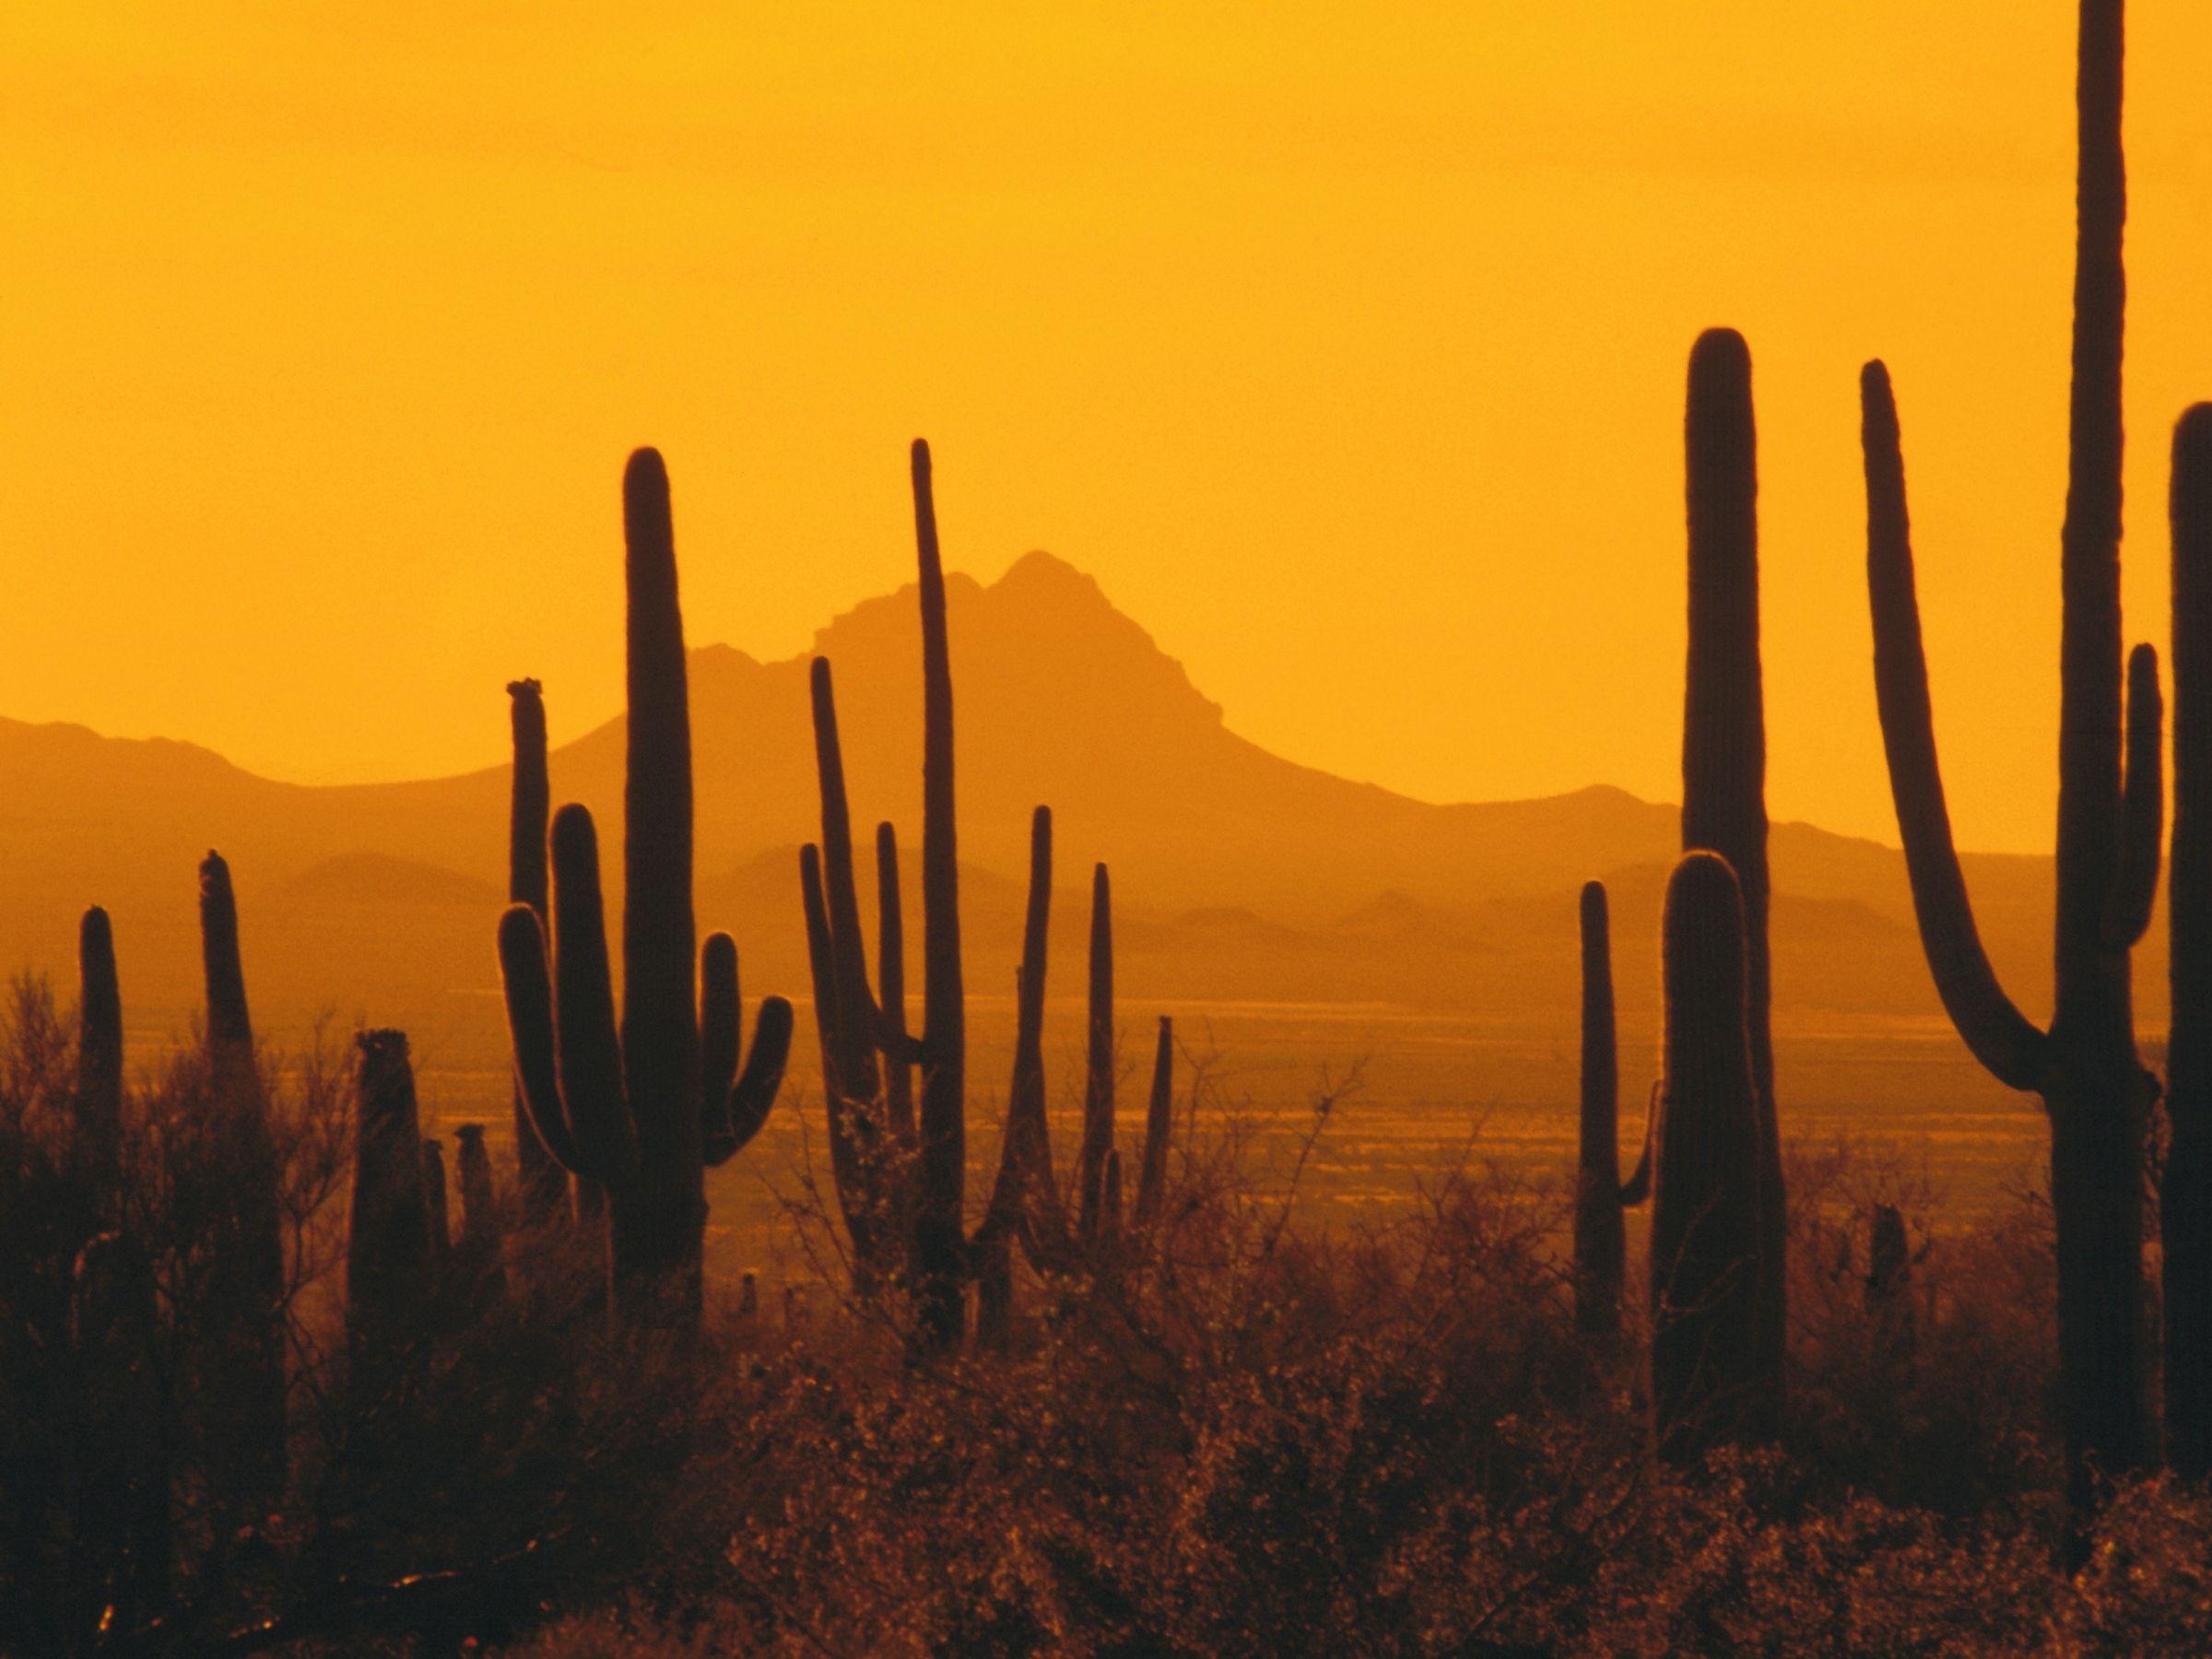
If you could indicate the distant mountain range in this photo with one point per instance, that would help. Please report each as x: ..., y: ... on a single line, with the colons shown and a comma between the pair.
x: 1237, y: 874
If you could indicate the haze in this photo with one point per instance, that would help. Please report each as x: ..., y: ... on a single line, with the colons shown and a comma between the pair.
x: 1345, y: 349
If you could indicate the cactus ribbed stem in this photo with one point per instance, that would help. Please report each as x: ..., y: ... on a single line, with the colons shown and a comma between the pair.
x: 1706, y: 1357
x: 246, y: 1287
x: 2185, y: 1202
x: 544, y: 1184
x: 1600, y: 1233
x: 97, y: 1140
x: 389, y: 1260
x: 1724, y: 742
x: 944, y: 1133
x: 890, y: 974
x: 1098, y: 1069
x: 1159, y: 1127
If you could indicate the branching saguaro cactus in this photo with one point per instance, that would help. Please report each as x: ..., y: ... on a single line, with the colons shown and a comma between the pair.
x: 1724, y: 753
x: 1600, y: 1232
x: 246, y: 1338
x: 626, y: 1106
x: 391, y: 1257
x: 544, y: 1184
x: 1707, y: 1387
x: 2085, y: 1066
x: 2186, y: 1203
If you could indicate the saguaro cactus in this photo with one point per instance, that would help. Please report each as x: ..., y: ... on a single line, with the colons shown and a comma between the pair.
x: 545, y: 1186
x: 943, y: 1161
x: 390, y: 1256
x: 625, y: 1107
x: 1889, y: 1284
x: 1098, y: 1051
x: 1724, y: 746
x: 1159, y: 1127
x: 246, y: 1337
x: 1706, y: 1354
x: 96, y: 1141
x: 2185, y: 1204
x: 1600, y: 1244
x: 2085, y: 1066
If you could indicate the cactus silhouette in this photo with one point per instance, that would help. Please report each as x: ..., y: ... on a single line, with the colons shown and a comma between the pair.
x: 391, y: 1257
x: 1724, y: 746
x: 1706, y: 1353
x: 1160, y: 1128
x: 544, y: 1184
x: 246, y: 1338
x: 2085, y: 1064
x: 942, y: 1163
x: 624, y: 1105
x: 1098, y: 1052
x: 1600, y: 1234
x: 2185, y: 1202
x: 96, y: 1140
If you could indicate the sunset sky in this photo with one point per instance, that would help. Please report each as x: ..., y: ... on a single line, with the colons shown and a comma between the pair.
x: 1344, y: 345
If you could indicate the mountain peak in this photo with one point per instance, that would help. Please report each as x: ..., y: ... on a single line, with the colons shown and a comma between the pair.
x: 1038, y: 572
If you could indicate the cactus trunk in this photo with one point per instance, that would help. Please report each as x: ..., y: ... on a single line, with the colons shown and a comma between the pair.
x: 943, y: 1163
x: 96, y: 1141
x: 1159, y: 1127
x: 1098, y: 1069
x: 544, y: 1184
x: 657, y: 1221
x: 1724, y: 749
x: 391, y: 1257
x: 1600, y: 1233
x: 246, y: 1291
x: 1707, y: 1358
x: 2186, y: 1203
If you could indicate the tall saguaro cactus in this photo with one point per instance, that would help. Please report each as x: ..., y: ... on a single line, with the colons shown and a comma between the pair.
x: 1707, y: 1358
x: 624, y: 1106
x: 545, y: 1186
x: 246, y: 1287
x: 2085, y: 1064
x: 1724, y: 746
x: 2185, y: 1204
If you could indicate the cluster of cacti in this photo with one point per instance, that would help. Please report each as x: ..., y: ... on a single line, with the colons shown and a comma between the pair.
x: 2085, y: 1066
x: 901, y: 1177
x: 630, y: 1107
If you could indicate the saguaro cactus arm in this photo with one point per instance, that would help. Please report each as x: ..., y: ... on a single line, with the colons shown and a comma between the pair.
x: 2143, y: 807
x: 2000, y: 1036
x: 529, y: 988
x: 735, y: 1105
x: 587, y: 1049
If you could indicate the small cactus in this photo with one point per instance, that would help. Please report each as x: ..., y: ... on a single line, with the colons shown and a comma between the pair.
x: 1097, y: 1052
x: 1600, y: 1234
x: 96, y: 1141
x: 1160, y: 1128
x: 390, y: 1255
x: 1706, y: 1355
x: 440, y: 1215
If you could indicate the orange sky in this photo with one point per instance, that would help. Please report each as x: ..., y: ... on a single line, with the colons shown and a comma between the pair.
x: 1345, y: 347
